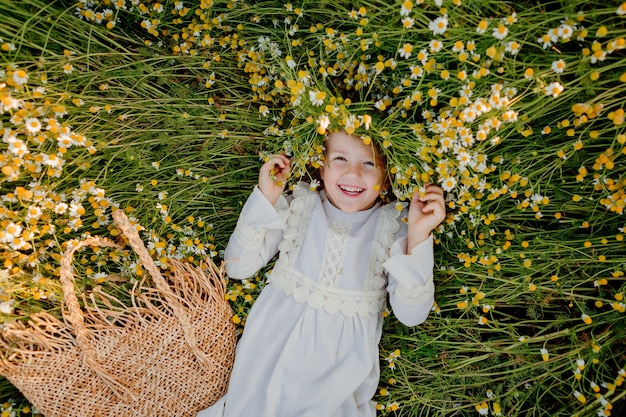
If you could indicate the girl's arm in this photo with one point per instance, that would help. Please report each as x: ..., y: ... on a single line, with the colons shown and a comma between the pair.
x: 410, y: 266
x: 410, y: 281
x: 260, y: 226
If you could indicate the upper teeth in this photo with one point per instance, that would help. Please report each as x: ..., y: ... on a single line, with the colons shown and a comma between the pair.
x: 351, y: 189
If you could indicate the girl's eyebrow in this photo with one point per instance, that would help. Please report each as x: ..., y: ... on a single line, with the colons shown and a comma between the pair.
x: 347, y: 153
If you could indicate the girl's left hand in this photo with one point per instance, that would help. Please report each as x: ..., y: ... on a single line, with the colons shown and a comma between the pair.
x: 426, y: 211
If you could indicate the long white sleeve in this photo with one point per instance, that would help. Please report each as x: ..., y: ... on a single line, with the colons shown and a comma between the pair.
x: 255, y: 240
x: 410, y: 281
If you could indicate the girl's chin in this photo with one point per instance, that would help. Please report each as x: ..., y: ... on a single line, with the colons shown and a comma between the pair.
x: 351, y: 203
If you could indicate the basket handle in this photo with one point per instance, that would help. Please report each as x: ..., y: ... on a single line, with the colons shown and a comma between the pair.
x: 75, y: 315
x: 123, y: 223
x: 76, y: 319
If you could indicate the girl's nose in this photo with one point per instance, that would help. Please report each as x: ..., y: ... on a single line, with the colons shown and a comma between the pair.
x: 354, y: 169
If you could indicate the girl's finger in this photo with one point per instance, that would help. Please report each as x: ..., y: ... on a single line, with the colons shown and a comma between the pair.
x: 281, y: 162
x: 433, y: 189
x: 433, y: 207
x: 431, y: 197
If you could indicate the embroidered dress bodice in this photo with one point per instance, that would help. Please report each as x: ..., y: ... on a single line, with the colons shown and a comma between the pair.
x: 329, y: 288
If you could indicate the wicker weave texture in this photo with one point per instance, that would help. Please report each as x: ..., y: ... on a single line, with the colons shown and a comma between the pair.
x: 170, y: 354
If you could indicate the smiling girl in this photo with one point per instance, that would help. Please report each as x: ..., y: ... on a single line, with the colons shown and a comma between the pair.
x: 310, y: 345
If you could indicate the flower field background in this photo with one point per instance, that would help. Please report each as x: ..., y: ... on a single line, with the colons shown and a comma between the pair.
x: 516, y: 109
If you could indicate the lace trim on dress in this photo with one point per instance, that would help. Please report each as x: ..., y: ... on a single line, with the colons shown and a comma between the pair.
x: 336, y: 246
x: 247, y: 237
x: 300, y: 212
x: 386, y: 230
x: 333, y: 300
x: 416, y: 295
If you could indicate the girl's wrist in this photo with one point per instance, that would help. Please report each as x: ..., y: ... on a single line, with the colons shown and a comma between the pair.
x: 270, y: 198
x: 414, y: 240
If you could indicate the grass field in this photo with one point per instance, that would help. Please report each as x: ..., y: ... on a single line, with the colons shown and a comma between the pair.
x: 166, y: 109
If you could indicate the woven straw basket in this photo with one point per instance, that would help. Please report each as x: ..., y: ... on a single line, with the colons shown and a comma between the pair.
x: 170, y: 354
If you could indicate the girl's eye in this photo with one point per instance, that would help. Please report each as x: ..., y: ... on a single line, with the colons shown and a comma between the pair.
x: 370, y: 164
x: 340, y: 158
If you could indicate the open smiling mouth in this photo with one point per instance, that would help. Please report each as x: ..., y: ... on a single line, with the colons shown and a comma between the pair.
x: 351, y: 190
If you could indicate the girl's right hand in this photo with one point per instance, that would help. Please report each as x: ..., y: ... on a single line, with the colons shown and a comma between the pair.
x: 273, y: 176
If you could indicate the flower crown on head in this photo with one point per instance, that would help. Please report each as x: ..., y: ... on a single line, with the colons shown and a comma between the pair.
x: 319, y: 107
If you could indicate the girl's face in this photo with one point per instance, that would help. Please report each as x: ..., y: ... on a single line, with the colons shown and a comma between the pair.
x: 353, y: 175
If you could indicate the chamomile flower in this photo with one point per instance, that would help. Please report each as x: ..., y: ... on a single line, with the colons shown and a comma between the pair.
x: 439, y: 25
x: 18, y: 148
x: 482, y: 408
x: 351, y: 124
x: 406, y: 8
x: 10, y: 232
x: 510, y: 19
x: 20, y: 77
x: 33, y: 213
x: 32, y: 124
x: 435, y: 45
x: 408, y: 22
x: 406, y: 50
x: 580, y: 397
x: 558, y: 66
x: 7, y: 46
x: 52, y: 160
x: 209, y: 82
x: 449, y: 183
x: 482, y: 26
x: 314, y: 184
x: 553, y: 89
x: 416, y: 72
x: 545, y: 41
x: 317, y: 97
x: 367, y: 121
x: 513, y: 47
x: 500, y: 31
x: 565, y: 31
x: 464, y: 158
x: 422, y: 55
x: 8, y: 103
x: 323, y: 122
x: 598, y: 55
x: 510, y: 116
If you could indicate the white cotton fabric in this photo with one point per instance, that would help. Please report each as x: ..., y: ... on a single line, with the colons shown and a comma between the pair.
x: 310, y: 344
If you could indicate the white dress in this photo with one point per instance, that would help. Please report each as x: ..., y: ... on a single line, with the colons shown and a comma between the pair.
x: 310, y: 344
